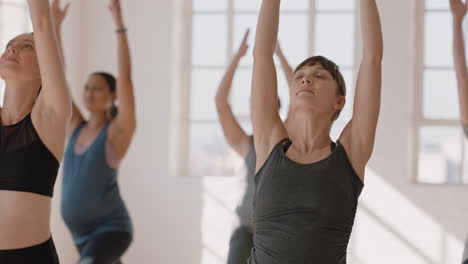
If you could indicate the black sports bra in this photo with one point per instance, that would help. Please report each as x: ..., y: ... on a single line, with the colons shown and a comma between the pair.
x: 26, y: 164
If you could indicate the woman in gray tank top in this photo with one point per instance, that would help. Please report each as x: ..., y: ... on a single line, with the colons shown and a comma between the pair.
x: 307, y: 187
x: 459, y: 10
x: 91, y: 205
x: 241, y: 242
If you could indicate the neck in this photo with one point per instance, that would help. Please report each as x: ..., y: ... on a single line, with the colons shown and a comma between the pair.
x: 98, y: 119
x: 309, y: 131
x: 18, y: 101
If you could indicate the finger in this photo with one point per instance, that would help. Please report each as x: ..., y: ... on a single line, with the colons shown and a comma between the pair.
x: 65, y: 10
x: 246, y: 36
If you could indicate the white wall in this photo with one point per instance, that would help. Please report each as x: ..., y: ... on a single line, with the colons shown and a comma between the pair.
x: 398, y: 222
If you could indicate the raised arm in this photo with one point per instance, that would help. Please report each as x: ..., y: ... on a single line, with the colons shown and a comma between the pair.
x: 234, y: 134
x: 123, y: 126
x: 267, y: 125
x: 287, y: 69
x: 58, y: 16
x: 358, y: 137
x: 53, y: 107
x: 458, y: 12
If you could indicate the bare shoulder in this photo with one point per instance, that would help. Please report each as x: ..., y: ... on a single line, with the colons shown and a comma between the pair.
x: 51, y: 128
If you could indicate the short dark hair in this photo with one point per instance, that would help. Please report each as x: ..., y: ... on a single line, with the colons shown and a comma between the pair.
x: 330, y: 67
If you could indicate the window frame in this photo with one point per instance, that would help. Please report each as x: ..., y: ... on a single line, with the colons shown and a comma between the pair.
x: 180, y: 95
x: 419, y: 121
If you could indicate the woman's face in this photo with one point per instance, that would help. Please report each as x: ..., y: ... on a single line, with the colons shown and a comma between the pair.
x: 315, y: 89
x: 19, y: 60
x: 97, y: 94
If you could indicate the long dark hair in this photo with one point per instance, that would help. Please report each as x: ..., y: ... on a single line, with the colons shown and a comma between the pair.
x: 333, y: 69
x: 112, y: 84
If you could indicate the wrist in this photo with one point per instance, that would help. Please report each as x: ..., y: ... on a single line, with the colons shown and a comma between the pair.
x: 121, y: 30
x: 457, y: 20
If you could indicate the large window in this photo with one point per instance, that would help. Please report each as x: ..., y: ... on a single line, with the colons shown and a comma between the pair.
x: 14, y: 20
x: 440, y: 146
x: 308, y: 27
x: 209, y: 33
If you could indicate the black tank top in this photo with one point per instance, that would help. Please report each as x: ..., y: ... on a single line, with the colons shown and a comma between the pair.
x: 26, y: 165
x: 304, y: 213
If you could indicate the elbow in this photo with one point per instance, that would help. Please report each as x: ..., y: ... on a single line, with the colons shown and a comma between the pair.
x: 374, y: 58
x: 261, y: 53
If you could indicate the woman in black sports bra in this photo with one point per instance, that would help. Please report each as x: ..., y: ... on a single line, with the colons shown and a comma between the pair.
x: 33, y: 120
x: 307, y: 187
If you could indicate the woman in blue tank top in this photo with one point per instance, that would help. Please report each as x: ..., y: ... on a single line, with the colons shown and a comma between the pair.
x: 241, y: 242
x: 459, y: 10
x: 307, y: 187
x: 92, y: 206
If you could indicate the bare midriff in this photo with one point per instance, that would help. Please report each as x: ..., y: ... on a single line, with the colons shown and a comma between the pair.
x: 24, y: 219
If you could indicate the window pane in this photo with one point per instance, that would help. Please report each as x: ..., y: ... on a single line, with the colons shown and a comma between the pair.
x: 209, y: 40
x: 335, y: 38
x: 440, y: 99
x: 14, y: 21
x: 438, y: 39
x: 247, y: 5
x: 294, y: 38
x: 209, y: 5
x: 440, y: 154
x: 335, y: 4
x: 254, y: 5
x: 240, y: 93
x: 205, y: 83
x: 209, y: 153
x: 437, y: 4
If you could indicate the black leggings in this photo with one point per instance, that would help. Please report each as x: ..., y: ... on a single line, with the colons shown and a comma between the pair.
x: 105, y: 248
x: 465, y: 262
x: 44, y: 253
x: 240, y: 246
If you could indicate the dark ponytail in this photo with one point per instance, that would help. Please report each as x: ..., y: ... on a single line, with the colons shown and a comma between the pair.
x: 112, y: 84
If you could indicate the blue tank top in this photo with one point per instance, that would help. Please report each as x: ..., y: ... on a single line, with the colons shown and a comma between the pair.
x: 91, y: 203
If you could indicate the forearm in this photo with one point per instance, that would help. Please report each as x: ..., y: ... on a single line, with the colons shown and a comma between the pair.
x: 287, y: 70
x: 267, y: 28
x: 124, y: 59
x: 224, y: 88
x: 371, y: 31
x: 54, y: 86
x: 459, y: 57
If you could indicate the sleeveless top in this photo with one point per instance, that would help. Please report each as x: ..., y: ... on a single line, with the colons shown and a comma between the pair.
x: 91, y: 201
x: 26, y: 164
x: 304, y: 213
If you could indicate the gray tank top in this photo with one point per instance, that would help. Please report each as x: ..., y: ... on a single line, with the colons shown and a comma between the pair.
x: 304, y: 213
x: 245, y: 209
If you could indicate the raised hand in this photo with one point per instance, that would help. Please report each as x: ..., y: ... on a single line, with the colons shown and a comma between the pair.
x: 58, y: 14
x: 458, y: 9
x: 116, y: 11
x: 244, y: 47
